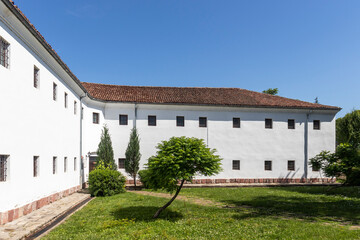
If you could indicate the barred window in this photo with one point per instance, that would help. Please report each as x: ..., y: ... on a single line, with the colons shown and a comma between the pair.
x: 268, y: 123
x: 54, y: 164
x: 65, y: 164
x: 123, y: 119
x: 151, y: 120
x: 316, y: 124
x: 54, y: 91
x: 96, y: 118
x: 236, y: 122
x: 268, y: 165
x: 3, y: 167
x: 291, y: 124
x: 36, y: 166
x: 202, y: 122
x: 180, y: 121
x: 121, y: 163
x: 291, y: 165
x: 75, y: 107
x: 236, y: 165
x: 36, y: 77
x: 4, y: 53
x: 65, y: 100
x: 75, y: 164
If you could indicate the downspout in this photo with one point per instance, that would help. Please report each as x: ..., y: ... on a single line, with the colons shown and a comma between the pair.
x: 306, y: 145
x: 81, y: 169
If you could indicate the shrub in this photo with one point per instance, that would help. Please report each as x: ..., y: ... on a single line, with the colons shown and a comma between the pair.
x: 105, y: 181
x: 144, y: 177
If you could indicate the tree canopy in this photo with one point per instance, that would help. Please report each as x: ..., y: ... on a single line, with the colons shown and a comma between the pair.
x: 348, y: 129
x: 271, y: 91
x: 133, y: 155
x: 105, y: 150
x: 179, y: 160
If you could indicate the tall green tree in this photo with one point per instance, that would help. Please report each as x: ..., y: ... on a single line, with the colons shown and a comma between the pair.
x: 105, y: 150
x: 133, y: 155
x: 271, y: 91
x: 348, y: 129
x: 179, y: 160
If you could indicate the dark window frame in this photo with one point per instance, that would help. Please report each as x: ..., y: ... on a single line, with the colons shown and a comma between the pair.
x: 236, y: 165
x: 291, y: 167
x: 316, y: 126
x: 65, y: 164
x: 266, y: 166
x: 36, y: 77
x: 54, y: 165
x: 96, y: 117
x: 4, y: 53
x: 75, y: 164
x: 3, y: 167
x: 75, y: 107
x: 54, y: 91
x: 123, y: 119
x: 236, y: 122
x: 268, y: 123
x: 203, y: 122
x: 291, y: 123
x: 65, y: 100
x: 121, y: 163
x: 180, y: 121
x: 35, y: 166
x: 152, y: 121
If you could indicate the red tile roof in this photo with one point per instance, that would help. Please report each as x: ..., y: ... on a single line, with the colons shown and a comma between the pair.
x: 195, y: 96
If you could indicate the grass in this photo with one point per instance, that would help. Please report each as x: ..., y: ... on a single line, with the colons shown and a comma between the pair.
x: 256, y: 213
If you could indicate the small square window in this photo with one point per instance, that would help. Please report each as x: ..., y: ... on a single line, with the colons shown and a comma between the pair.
x: 3, y: 166
x: 75, y: 164
x: 4, y: 53
x: 291, y: 165
x: 36, y: 77
x: 180, y: 121
x: 96, y: 118
x: 268, y: 123
x: 151, y: 120
x: 123, y: 119
x: 65, y: 164
x: 202, y: 122
x: 121, y: 163
x: 291, y: 124
x: 35, y: 166
x: 65, y: 100
x: 316, y: 124
x: 54, y: 91
x: 54, y: 165
x: 236, y: 122
x: 236, y: 164
x: 75, y: 107
x: 268, y: 165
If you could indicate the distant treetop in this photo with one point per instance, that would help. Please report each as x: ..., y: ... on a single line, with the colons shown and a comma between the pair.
x: 271, y: 91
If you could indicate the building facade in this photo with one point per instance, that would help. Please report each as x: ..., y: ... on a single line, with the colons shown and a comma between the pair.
x: 52, y: 122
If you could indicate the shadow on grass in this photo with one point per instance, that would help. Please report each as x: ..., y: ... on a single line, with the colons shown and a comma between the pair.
x: 340, y: 190
x: 145, y: 214
x: 299, y: 207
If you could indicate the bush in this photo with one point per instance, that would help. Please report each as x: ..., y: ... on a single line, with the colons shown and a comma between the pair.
x: 354, y: 178
x: 144, y: 175
x: 106, y: 182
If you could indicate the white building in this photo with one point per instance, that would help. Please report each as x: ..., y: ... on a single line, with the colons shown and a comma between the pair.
x: 47, y: 148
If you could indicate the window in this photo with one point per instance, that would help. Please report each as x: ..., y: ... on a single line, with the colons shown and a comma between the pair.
x: 291, y: 124
x: 54, y: 91
x: 75, y: 164
x: 121, y: 163
x: 316, y: 124
x: 82, y: 113
x: 65, y: 100
x: 315, y: 168
x: 75, y: 107
x: 123, y: 119
x: 3, y: 166
x: 36, y: 166
x: 202, y: 122
x: 236, y: 122
x: 65, y: 164
x: 180, y: 121
x: 96, y: 118
x: 151, y: 120
x: 36, y: 77
x: 268, y: 123
x: 4, y: 53
x: 268, y: 165
x: 54, y: 164
x: 236, y: 164
x: 291, y: 165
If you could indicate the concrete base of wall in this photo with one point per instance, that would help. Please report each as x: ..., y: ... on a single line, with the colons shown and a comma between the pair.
x: 13, y: 214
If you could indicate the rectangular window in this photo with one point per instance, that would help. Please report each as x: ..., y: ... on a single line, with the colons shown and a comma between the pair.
x: 121, y: 163
x: 236, y: 165
x: 65, y: 100
x: 291, y: 165
x: 75, y: 164
x: 3, y: 167
x: 75, y: 107
x: 54, y: 164
x: 4, y: 53
x: 236, y: 122
x: 291, y: 124
x: 36, y: 166
x: 123, y: 119
x: 96, y: 118
x: 202, y: 122
x: 36, y: 77
x: 65, y: 164
x: 54, y: 91
x: 180, y: 121
x: 268, y: 123
x: 268, y: 165
x: 151, y: 120
x: 316, y: 124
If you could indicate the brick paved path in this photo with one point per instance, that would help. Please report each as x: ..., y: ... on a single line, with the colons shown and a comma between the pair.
x: 27, y: 224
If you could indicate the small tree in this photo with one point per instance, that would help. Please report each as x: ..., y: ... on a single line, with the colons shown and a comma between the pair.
x: 271, y: 91
x: 133, y: 155
x: 348, y: 129
x: 179, y: 160
x: 105, y: 150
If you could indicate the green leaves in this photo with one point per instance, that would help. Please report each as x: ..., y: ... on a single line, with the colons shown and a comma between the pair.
x: 106, y: 182
x: 348, y: 128
x: 133, y: 155
x: 105, y: 150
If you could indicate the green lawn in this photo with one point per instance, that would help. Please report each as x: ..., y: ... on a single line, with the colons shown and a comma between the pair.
x: 255, y: 213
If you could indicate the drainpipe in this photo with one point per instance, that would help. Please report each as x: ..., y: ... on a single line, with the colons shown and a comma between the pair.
x: 81, y: 169
x: 306, y: 145
x: 136, y: 107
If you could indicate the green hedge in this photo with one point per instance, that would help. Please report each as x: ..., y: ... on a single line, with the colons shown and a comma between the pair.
x: 143, y: 175
x: 106, y: 182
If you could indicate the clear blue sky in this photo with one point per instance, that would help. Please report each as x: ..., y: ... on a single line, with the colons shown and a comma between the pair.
x: 307, y: 49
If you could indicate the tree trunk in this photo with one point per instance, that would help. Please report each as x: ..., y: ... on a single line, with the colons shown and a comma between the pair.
x: 171, y: 200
